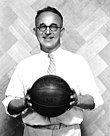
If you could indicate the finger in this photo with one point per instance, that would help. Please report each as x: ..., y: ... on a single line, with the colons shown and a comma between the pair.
x: 72, y: 103
x: 73, y: 96
x: 27, y: 97
x: 29, y: 104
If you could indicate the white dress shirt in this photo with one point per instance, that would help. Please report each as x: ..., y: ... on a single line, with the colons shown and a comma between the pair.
x: 70, y: 66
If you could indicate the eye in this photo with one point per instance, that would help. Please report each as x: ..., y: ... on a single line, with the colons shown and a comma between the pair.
x: 42, y: 27
x: 54, y: 27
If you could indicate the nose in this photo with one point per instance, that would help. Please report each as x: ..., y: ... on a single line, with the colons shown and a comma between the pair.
x: 48, y: 30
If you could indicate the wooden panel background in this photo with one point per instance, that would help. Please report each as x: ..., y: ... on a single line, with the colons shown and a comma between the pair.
x: 87, y: 24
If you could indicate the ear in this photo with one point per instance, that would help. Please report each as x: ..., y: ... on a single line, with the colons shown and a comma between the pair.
x: 62, y: 31
x: 34, y: 30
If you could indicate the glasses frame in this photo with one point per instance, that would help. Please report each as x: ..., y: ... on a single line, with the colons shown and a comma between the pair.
x: 50, y: 26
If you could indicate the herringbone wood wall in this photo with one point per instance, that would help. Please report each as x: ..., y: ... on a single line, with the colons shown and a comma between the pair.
x: 87, y: 24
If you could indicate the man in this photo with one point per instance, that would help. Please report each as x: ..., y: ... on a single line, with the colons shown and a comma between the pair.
x: 71, y: 67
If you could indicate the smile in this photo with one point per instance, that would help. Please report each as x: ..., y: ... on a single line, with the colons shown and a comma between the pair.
x: 48, y: 38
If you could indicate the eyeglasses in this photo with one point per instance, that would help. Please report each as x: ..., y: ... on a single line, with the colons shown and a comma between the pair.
x: 52, y: 27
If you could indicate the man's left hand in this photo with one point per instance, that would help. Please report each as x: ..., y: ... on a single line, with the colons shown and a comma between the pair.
x: 73, y: 100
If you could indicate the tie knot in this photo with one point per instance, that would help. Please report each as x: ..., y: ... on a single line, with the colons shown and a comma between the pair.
x: 50, y: 55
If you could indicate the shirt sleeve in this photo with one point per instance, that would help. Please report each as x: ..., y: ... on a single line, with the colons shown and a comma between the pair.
x: 15, y: 89
x: 87, y: 84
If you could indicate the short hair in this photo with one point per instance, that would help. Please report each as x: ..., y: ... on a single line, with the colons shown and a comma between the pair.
x: 48, y: 9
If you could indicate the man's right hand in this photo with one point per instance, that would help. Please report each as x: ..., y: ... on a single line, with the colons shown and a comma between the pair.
x: 27, y: 100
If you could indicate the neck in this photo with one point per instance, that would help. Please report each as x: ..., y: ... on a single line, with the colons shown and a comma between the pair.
x: 49, y: 50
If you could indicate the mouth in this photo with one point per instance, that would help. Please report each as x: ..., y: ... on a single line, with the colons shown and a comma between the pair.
x: 48, y: 38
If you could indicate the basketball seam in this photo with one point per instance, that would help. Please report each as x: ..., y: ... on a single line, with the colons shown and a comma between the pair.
x: 48, y: 106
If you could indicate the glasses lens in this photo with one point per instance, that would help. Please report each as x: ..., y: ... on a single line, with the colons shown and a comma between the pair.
x: 42, y: 28
x: 54, y: 27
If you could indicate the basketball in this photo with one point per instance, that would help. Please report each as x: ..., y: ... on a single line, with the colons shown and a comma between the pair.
x: 50, y: 95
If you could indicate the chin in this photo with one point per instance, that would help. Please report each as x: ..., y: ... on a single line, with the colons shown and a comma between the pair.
x: 47, y: 48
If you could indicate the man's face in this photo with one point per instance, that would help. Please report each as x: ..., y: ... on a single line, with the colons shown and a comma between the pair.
x: 49, y: 38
